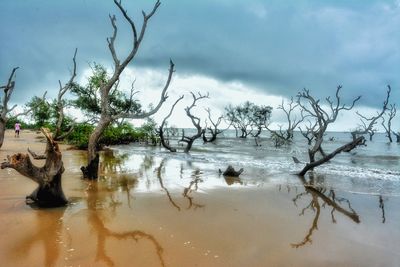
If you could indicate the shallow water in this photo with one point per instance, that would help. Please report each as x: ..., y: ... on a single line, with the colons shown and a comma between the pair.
x: 153, y: 208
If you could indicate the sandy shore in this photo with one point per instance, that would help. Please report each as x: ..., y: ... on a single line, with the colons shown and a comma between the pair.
x: 148, y: 211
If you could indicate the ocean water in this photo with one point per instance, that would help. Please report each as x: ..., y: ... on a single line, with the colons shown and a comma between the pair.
x: 370, y: 169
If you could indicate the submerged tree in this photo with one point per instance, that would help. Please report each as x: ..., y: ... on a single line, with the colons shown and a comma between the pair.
x: 49, y: 192
x: 387, y: 124
x: 284, y: 136
x: 213, y: 129
x: 189, y: 140
x: 368, y: 124
x: 102, y: 94
x: 161, y: 130
x: 248, y: 117
x: 323, y: 117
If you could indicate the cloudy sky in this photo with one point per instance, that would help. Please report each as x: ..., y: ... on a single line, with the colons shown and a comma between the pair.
x: 237, y: 50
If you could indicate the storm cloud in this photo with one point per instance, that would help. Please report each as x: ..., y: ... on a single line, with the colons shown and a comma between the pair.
x: 277, y: 47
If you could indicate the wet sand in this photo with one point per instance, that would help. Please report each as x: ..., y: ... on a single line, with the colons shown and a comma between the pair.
x: 155, y: 212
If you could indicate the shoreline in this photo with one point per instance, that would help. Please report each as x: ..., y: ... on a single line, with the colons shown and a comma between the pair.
x: 152, y: 211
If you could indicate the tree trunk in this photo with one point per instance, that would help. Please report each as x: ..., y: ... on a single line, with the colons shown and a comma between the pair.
x: 49, y: 192
x: 345, y: 148
x: 91, y: 170
x: 2, y: 131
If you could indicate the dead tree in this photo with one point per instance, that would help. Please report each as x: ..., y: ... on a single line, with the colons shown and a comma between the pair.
x: 323, y: 118
x: 49, y: 192
x: 367, y: 124
x: 195, y: 121
x: 388, y: 125
x: 293, y: 121
x: 107, y: 116
x: 161, y: 130
x: 397, y: 136
x: 213, y: 129
x: 8, y: 89
x: 60, y: 104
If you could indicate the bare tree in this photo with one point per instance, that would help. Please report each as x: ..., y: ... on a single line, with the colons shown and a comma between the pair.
x: 107, y: 116
x: 367, y: 124
x: 5, y: 110
x: 213, y: 129
x: 60, y: 104
x: 161, y: 130
x: 49, y: 192
x: 388, y: 125
x: 283, y: 136
x: 195, y: 121
x: 323, y: 119
x: 397, y: 136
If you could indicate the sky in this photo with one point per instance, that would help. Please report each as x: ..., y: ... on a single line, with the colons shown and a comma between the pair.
x: 236, y: 50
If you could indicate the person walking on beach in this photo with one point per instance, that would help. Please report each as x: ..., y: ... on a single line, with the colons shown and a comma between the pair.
x: 17, y: 127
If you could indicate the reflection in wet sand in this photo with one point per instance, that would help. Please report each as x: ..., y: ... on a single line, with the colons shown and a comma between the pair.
x: 187, y: 191
x: 48, y: 231
x: 330, y: 199
x: 136, y: 215
x: 193, y: 187
x: 160, y: 170
x: 95, y: 201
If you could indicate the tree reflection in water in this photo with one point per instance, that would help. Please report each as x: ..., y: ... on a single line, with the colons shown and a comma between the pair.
x: 96, y: 199
x: 382, y: 207
x: 328, y: 198
x: 48, y: 231
x: 187, y: 191
x: 193, y: 187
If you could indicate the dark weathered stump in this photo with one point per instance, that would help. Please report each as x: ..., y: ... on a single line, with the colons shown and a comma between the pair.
x: 91, y: 171
x: 49, y: 196
x: 230, y: 171
x: 49, y: 192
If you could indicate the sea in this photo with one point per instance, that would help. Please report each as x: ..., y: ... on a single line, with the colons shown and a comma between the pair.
x: 370, y: 169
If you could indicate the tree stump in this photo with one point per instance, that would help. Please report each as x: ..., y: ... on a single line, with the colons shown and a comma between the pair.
x: 49, y: 192
x: 230, y: 171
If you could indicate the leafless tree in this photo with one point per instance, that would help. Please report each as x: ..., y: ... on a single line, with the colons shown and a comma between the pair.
x: 213, y: 129
x: 387, y: 125
x: 195, y: 121
x: 281, y: 136
x: 107, y: 117
x: 367, y: 124
x: 161, y: 130
x: 5, y: 110
x: 49, y: 192
x: 60, y: 104
x: 323, y: 118
x: 397, y: 136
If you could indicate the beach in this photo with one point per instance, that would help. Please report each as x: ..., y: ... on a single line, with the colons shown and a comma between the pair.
x: 152, y: 209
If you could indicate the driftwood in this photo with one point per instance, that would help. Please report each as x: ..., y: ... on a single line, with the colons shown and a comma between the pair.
x: 230, y: 171
x: 49, y: 192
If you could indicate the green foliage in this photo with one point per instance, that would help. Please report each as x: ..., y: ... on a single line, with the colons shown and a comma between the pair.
x: 124, y: 133
x: 41, y: 111
x: 89, y: 97
x: 11, y: 122
x: 121, y: 134
x: 248, y: 116
x: 149, y: 131
x: 80, y: 135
